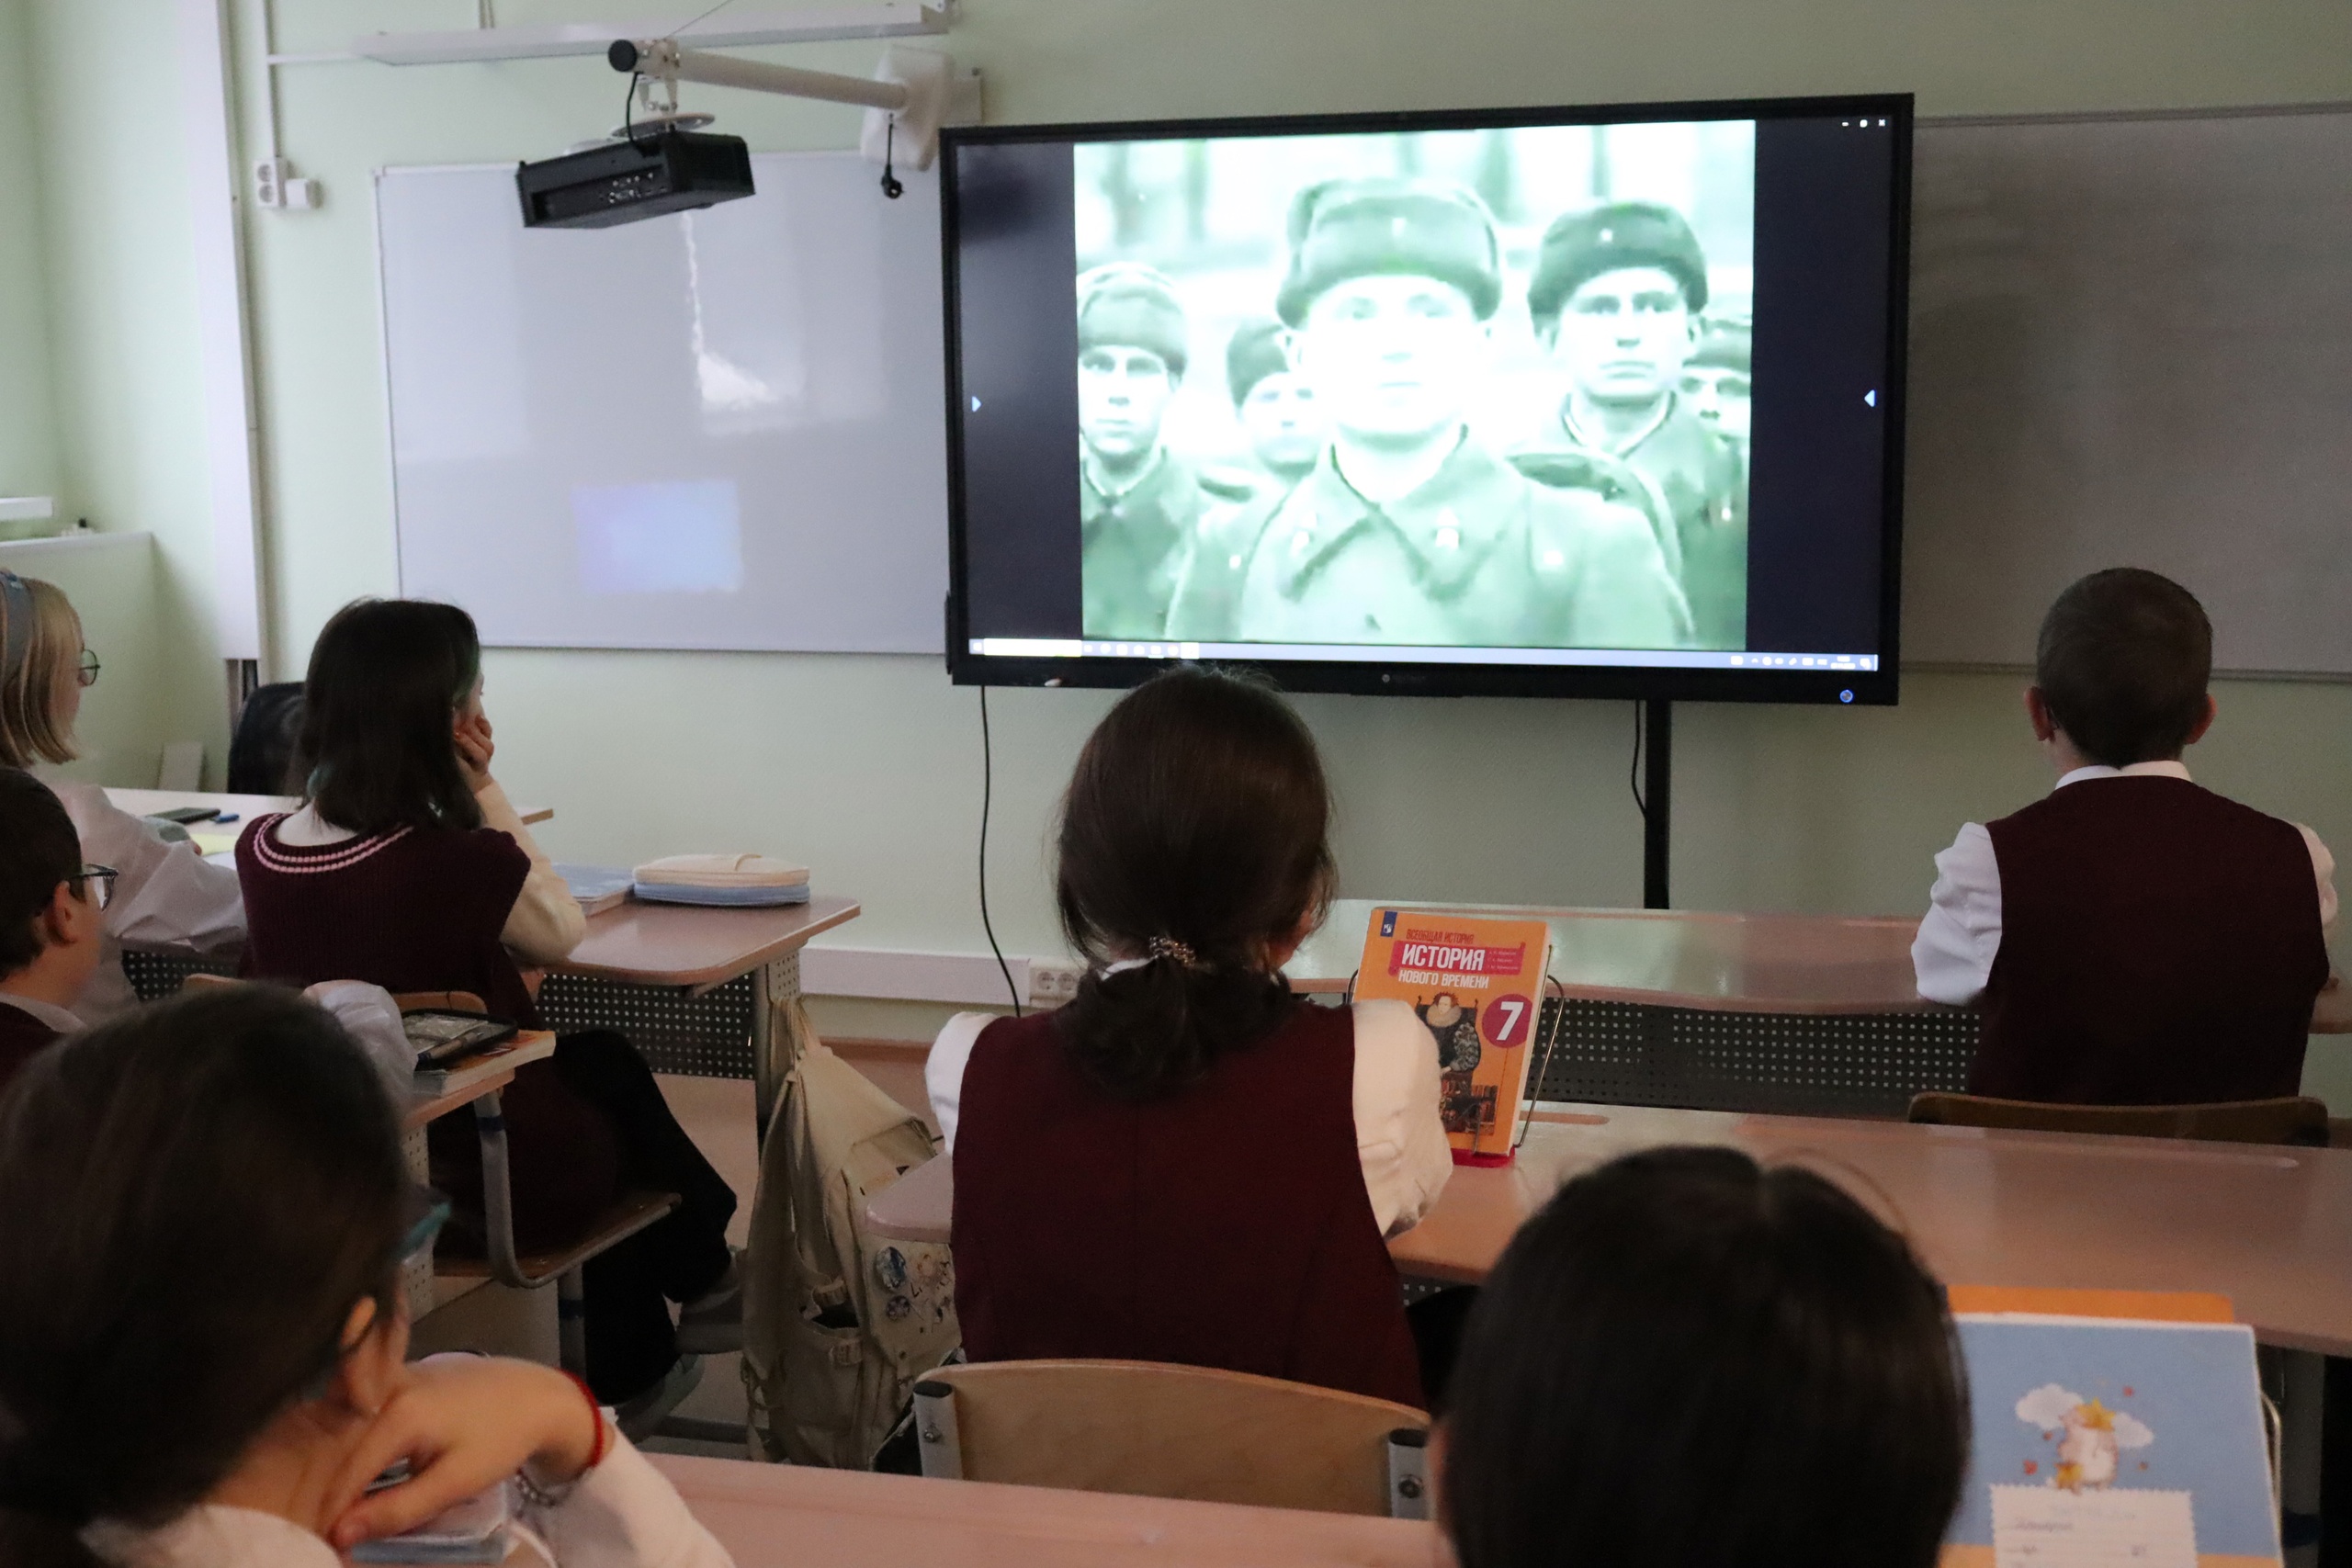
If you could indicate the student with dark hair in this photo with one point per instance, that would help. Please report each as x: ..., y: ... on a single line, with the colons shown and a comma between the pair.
x: 2131, y: 938
x: 1688, y: 1362
x: 50, y: 920
x: 407, y: 868
x: 162, y: 894
x: 201, y: 1331
x: 1188, y: 1162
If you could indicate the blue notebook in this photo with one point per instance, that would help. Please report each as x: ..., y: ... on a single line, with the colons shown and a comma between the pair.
x: 2098, y: 1441
x: 722, y: 898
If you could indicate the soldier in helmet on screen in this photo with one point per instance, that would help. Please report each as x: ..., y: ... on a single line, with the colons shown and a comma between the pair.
x: 1410, y: 530
x: 1138, y: 502
x: 1616, y: 296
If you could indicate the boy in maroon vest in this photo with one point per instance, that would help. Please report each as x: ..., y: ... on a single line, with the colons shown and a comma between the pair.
x: 2131, y: 939
x: 49, y: 920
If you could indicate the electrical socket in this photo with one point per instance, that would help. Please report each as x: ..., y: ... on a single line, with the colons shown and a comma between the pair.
x: 1053, y: 981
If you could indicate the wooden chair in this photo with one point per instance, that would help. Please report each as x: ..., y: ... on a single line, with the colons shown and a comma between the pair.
x: 1149, y: 1429
x: 2288, y: 1119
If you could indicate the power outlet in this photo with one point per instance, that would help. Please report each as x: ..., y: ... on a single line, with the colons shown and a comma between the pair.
x: 1053, y: 981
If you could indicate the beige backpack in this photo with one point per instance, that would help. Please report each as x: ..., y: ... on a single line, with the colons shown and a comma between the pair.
x: 838, y: 1322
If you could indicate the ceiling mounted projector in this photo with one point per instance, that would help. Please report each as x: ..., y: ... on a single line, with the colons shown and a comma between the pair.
x: 642, y: 174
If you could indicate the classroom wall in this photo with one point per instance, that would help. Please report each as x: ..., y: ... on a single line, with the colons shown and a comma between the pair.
x: 27, y: 434
x: 869, y: 767
x: 101, y: 85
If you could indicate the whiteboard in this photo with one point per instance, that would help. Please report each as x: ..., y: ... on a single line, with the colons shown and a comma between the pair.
x: 714, y: 429
x: 2132, y: 344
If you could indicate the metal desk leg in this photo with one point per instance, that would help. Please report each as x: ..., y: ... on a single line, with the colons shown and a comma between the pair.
x: 416, y: 1273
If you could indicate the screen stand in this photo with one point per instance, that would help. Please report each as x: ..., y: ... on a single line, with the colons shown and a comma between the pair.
x: 1657, y: 800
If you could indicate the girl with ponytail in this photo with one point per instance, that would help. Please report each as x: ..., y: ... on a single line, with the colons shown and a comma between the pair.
x: 1188, y: 1162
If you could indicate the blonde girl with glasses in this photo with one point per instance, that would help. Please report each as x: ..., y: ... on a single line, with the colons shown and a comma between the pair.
x: 165, y: 893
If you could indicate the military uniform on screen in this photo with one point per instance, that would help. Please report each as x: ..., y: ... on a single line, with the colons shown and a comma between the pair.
x: 1476, y: 556
x: 1473, y: 555
x: 1138, y: 502
x: 1697, y: 473
x: 1701, y: 488
x: 1136, y: 545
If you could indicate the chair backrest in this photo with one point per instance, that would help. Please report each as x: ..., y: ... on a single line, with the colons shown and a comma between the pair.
x: 1154, y: 1430
x: 261, y: 753
x: 2288, y: 1119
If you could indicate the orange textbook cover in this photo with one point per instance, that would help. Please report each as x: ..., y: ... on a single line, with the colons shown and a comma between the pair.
x: 1477, y: 983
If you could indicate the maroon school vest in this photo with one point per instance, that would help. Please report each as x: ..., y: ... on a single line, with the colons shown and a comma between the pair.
x: 1226, y: 1225
x: 410, y: 909
x: 22, y: 1037
x: 2160, y: 945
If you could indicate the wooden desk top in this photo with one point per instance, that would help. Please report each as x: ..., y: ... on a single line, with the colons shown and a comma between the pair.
x: 2270, y: 1227
x: 782, y: 1516
x: 1824, y: 963
x: 1806, y: 963
x: 470, y: 1083
x: 678, y: 944
x: 147, y: 802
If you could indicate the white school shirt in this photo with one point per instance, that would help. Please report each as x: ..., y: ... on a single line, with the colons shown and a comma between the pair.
x: 623, y: 1514
x: 546, y: 922
x: 1400, y: 1133
x: 1953, y: 955
x: 55, y: 1017
x: 168, y: 896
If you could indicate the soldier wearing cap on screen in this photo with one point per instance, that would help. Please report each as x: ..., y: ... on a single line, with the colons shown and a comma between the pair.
x: 1616, y: 296
x: 1274, y: 403
x: 1715, y: 379
x: 1138, y: 502
x: 1410, y: 530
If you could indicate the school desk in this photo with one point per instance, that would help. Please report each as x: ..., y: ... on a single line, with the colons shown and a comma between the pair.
x: 694, y: 988
x: 784, y: 1516
x: 147, y: 802
x: 2268, y: 1227
x: 425, y: 1291
x: 1797, y: 1014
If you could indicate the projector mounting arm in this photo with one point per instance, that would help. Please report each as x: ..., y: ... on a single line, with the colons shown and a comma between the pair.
x: 918, y: 89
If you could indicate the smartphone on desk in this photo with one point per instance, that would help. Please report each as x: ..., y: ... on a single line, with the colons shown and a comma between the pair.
x: 444, y: 1037
x: 475, y: 1530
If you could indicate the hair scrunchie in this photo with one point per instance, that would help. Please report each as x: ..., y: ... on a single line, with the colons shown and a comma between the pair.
x: 1177, y: 953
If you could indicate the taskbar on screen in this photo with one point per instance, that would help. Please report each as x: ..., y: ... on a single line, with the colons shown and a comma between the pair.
x: 1359, y: 653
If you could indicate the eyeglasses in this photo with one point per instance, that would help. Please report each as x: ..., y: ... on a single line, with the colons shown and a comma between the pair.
x: 88, y: 670
x: 98, y: 884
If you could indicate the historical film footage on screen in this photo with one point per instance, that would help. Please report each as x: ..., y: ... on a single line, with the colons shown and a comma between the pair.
x: 1458, y: 388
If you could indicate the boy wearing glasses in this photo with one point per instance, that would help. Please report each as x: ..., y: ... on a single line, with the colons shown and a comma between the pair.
x: 48, y: 918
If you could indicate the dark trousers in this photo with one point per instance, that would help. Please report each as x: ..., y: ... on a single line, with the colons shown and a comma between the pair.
x: 581, y: 1129
x: 1437, y: 1320
x: 631, y: 1341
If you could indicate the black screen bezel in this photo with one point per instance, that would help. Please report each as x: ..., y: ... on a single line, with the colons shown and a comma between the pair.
x: 1877, y: 688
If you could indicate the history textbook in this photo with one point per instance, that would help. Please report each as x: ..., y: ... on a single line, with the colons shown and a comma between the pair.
x: 1477, y: 982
